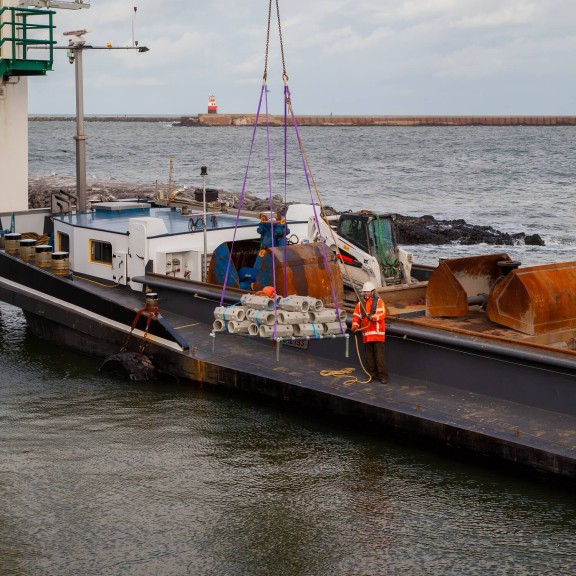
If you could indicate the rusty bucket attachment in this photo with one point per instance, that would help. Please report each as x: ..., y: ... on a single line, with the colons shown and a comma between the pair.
x: 536, y: 299
x: 304, y: 268
x: 454, y: 283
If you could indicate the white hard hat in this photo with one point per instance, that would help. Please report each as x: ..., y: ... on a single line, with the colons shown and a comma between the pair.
x: 368, y: 287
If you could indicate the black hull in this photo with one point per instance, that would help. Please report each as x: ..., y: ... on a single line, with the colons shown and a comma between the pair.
x: 500, y: 370
x: 492, y: 399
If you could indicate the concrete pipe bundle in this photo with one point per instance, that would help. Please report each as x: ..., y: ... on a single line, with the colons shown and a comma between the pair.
x: 257, y: 301
x: 236, y: 313
x: 334, y: 327
x: 282, y: 331
x: 259, y: 317
x: 285, y: 317
x: 299, y: 316
x: 309, y: 329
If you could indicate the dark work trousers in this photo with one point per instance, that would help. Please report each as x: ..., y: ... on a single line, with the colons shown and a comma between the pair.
x: 376, y: 360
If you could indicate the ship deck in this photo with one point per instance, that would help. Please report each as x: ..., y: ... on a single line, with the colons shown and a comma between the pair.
x: 115, y: 217
x: 530, y: 437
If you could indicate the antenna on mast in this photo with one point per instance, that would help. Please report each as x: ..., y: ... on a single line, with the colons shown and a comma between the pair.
x: 134, y: 43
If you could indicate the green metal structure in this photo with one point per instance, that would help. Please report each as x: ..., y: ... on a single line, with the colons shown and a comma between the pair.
x: 20, y: 30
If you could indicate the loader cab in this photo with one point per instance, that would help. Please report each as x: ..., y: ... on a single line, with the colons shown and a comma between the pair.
x: 374, y: 234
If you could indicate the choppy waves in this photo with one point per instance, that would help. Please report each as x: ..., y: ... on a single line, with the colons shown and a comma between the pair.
x: 516, y: 179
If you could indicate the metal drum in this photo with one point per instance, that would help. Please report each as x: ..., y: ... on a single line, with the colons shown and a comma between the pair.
x: 44, y: 256
x: 26, y: 250
x: 12, y: 243
x: 60, y: 263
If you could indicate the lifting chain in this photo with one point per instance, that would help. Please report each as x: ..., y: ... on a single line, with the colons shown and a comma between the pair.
x: 150, y: 313
x: 284, y: 73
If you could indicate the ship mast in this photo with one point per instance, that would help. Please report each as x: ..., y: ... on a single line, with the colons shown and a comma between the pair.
x: 76, y: 46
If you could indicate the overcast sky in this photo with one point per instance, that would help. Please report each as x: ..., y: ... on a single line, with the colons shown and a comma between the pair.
x: 369, y: 57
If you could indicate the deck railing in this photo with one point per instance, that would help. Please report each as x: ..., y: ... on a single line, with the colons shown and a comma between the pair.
x: 20, y: 30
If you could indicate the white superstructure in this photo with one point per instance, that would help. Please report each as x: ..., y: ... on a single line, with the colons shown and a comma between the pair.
x: 13, y: 134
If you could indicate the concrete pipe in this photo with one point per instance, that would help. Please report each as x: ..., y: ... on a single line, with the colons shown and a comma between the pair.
x: 295, y: 303
x: 285, y: 317
x: 309, y: 330
x: 256, y: 301
x: 326, y: 315
x: 239, y: 327
x: 236, y: 313
x: 261, y: 317
x: 334, y: 328
x: 282, y: 331
x: 316, y: 305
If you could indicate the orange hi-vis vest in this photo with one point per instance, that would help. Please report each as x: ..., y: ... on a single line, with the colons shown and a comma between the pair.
x: 372, y: 330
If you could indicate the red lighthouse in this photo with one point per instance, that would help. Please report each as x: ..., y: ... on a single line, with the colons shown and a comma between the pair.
x: 212, y: 106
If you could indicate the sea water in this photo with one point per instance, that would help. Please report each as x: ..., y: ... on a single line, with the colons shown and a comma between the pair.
x: 106, y: 477
x: 514, y: 178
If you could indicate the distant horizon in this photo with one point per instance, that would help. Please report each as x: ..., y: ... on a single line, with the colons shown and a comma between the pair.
x: 160, y: 115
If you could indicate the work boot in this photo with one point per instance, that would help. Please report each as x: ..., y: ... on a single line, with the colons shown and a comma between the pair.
x: 384, y: 380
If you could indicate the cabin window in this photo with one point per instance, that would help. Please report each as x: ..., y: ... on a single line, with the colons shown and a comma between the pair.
x: 353, y: 230
x: 381, y: 236
x: 382, y: 244
x: 63, y: 242
x: 101, y: 251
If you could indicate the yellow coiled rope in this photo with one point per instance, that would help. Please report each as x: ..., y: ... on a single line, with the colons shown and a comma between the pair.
x: 346, y: 371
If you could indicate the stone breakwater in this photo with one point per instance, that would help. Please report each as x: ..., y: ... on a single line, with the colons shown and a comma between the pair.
x: 411, y: 230
x: 330, y: 120
x: 249, y: 119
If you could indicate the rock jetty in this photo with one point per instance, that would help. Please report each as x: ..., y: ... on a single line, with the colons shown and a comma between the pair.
x: 428, y: 230
x: 411, y: 230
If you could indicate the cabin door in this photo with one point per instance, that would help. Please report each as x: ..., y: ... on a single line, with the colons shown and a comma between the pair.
x: 137, y: 253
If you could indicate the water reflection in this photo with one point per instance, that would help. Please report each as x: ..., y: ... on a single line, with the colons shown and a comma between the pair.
x: 100, y: 476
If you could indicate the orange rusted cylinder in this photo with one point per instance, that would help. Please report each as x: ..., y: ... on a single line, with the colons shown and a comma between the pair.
x: 306, y: 274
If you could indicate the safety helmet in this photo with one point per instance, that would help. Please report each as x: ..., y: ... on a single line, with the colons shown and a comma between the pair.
x: 368, y: 287
x: 268, y: 291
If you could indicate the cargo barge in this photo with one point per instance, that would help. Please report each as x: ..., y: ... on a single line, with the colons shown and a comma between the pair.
x: 463, y: 382
x: 481, y: 351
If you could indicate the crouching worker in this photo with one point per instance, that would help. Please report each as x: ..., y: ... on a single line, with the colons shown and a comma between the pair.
x: 369, y: 316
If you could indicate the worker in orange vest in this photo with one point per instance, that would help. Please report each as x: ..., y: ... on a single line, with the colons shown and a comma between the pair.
x: 369, y: 316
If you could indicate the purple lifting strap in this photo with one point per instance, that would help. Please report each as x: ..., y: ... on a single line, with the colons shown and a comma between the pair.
x: 241, y: 202
x: 334, y: 299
